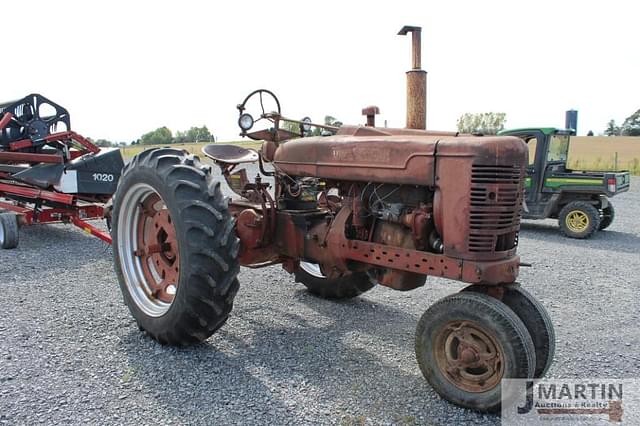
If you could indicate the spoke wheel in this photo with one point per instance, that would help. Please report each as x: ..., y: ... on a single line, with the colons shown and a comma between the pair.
x: 579, y: 219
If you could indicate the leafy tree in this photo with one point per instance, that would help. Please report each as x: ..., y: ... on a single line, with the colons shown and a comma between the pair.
x: 590, y: 133
x: 194, y: 134
x: 612, y: 129
x: 631, y: 125
x: 159, y: 136
x: 487, y: 123
x: 198, y: 134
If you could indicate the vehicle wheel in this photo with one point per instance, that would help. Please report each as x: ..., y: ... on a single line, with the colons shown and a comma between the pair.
x: 467, y: 343
x: 608, y: 214
x: 9, y: 233
x: 579, y: 220
x: 175, y: 247
x: 345, y: 287
x: 535, y: 317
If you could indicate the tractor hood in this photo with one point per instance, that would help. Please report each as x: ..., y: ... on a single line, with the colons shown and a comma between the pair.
x: 398, y: 159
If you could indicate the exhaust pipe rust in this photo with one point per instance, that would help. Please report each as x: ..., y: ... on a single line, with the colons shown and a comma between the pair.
x: 416, y: 82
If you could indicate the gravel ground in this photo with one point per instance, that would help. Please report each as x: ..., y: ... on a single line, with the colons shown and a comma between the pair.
x: 70, y: 352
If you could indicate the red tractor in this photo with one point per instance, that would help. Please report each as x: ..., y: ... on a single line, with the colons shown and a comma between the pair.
x: 344, y: 211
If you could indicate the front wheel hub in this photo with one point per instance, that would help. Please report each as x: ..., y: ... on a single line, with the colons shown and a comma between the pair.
x: 469, y: 356
x: 577, y: 221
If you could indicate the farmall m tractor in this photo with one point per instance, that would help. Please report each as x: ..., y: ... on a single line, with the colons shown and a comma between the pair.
x: 355, y: 207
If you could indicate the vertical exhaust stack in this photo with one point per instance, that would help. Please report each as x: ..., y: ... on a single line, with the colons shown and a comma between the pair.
x: 416, y: 82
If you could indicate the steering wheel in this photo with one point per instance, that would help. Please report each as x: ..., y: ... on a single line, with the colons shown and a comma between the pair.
x: 258, y: 97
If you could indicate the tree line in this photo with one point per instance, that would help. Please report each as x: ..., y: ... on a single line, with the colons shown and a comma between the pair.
x: 163, y: 136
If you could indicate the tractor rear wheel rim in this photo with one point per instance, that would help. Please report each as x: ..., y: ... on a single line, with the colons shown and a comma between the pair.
x: 577, y: 221
x: 148, y: 249
x: 312, y: 269
x: 469, y: 356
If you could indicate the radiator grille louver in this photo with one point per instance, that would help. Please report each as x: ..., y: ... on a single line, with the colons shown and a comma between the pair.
x: 496, y: 204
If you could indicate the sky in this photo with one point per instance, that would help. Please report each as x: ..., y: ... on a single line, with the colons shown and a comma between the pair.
x: 123, y: 68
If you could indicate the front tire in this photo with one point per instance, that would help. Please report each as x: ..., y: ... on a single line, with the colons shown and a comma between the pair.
x: 535, y: 317
x: 175, y: 248
x: 579, y: 219
x: 346, y: 287
x: 466, y: 343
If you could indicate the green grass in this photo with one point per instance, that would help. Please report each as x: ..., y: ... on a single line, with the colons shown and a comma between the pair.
x: 193, y: 148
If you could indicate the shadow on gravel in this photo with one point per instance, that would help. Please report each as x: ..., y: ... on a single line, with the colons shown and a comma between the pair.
x: 287, y: 358
x: 609, y: 240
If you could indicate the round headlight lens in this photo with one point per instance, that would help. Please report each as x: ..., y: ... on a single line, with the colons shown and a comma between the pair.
x: 306, y: 124
x: 245, y: 121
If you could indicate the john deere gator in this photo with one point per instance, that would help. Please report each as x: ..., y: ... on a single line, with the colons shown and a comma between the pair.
x: 578, y: 199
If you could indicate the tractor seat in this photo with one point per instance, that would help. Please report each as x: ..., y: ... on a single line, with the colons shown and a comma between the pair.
x: 229, y: 154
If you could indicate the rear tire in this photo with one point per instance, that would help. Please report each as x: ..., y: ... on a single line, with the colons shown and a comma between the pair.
x: 467, y: 343
x: 345, y: 287
x: 608, y: 214
x: 579, y: 219
x: 9, y: 230
x: 175, y: 248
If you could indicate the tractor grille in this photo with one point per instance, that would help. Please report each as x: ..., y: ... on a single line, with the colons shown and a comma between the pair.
x: 496, y: 204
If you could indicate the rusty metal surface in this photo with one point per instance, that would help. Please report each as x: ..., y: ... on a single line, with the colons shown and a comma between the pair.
x: 469, y: 356
x: 370, y: 112
x: 476, y: 207
x: 388, y: 159
x: 396, y: 235
x: 416, y: 99
x: 479, y: 196
x: 347, y: 130
x: 416, y: 82
x: 325, y: 243
x: 158, y: 249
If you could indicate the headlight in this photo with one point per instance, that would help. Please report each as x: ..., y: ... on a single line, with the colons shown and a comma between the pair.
x: 245, y: 121
x: 306, y: 124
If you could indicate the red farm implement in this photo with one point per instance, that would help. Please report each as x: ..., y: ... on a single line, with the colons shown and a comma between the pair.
x: 49, y: 173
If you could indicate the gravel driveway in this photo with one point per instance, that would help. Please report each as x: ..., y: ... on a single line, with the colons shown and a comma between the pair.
x: 70, y: 352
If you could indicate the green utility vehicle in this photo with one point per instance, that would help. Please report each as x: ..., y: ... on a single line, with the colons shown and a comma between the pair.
x: 578, y: 199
